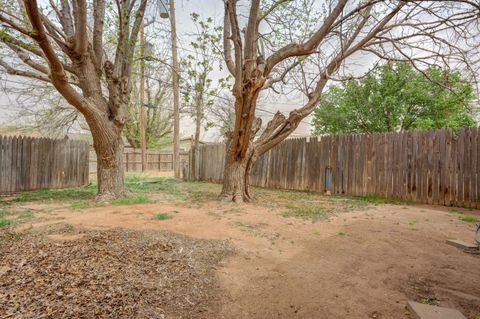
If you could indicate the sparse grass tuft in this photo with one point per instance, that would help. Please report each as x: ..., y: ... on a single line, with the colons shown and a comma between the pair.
x: 469, y: 219
x: 162, y: 216
x: 26, y: 215
x: 4, y: 222
x: 10, y: 236
x: 378, y: 199
x: 413, y: 222
x: 81, y: 204
x: 313, y: 213
x: 341, y: 234
x: 453, y: 211
x: 131, y: 200
x: 66, y: 194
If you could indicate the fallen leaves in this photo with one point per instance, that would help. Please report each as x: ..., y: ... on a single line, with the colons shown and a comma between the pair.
x: 109, y: 274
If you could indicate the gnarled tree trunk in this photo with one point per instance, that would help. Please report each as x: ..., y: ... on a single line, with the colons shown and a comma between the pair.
x: 110, y: 173
x: 108, y: 145
x: 236, y: 176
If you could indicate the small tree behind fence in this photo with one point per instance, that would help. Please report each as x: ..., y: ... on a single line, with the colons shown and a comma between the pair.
x: 432, y: 167
x: 28, y: 163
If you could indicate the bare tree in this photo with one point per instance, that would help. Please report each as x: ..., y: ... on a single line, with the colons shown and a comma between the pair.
x: 66, y: 47
x: 222, y: 114
x: 282, y: 37
x: 158, y: 104
x: 197, y: 84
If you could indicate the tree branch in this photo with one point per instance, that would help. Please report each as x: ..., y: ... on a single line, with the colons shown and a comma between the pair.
x: 98, y: 23
x: 307, y: 47
x: 81, y: 35
x: 28, y: 74
x: 227, y: 47
x: 57, y: 73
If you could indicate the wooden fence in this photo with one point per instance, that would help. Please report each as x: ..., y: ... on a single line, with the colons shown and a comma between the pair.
x: 28, y: 163
x: 160, y: 161
x: 432, y: 167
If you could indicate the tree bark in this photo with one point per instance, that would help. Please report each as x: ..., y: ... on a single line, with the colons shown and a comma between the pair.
x: 108, y: 145
x: 236, y: 176
x: 110, y: 173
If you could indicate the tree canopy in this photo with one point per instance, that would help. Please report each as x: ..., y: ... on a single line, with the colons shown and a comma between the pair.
x: 396, y: 97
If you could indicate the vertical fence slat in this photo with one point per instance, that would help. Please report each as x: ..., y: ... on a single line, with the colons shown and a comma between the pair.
x: 436, y: 167
x: 28, y: 163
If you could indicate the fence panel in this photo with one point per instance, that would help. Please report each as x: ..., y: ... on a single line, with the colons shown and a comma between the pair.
x: 28, y: 163
x: 160, y: 161
x: 433, y: 167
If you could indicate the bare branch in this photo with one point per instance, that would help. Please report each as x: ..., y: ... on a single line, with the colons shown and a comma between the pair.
x: 307, y: 47
x: 81, y: 36
x: 227, y: 47
x: 28, y: 74
x: 98, y: 23
x: 57, y: 73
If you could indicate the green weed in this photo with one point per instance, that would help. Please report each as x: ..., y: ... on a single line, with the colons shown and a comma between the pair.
x: 80, y: 204
x: 469, y: 219
x: 378, y: 199
x: 131, y: 200
x: 162, y: 216
x: 314, y: 213
x: 58, y: 195
x: 4, y: 222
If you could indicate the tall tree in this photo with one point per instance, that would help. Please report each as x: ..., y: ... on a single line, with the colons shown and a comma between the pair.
x: 158, y: 105
x: 396, y: 97
x: 282, y: 37
x: 67, y: 46
x: 197, y: 67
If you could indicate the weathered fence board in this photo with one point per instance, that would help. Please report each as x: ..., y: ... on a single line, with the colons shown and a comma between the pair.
x: 28, y: 163
x: 433, y: 167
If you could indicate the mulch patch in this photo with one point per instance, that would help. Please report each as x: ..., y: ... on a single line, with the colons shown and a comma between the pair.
x: 108, y: 274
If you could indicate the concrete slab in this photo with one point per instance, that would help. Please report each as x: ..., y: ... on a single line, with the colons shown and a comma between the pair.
x: 461, y: 244
x: 421, y: 311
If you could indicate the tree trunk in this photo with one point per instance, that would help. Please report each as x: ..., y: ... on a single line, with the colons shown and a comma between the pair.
x: 196, y: 150
x: 236, y: 177
x: 110, y: 173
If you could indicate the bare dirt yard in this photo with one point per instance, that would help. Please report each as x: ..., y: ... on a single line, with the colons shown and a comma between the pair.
x: 171, y: 250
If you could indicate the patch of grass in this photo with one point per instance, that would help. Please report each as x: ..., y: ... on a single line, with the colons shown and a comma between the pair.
x: 426, y: 301
x: 341, y: 234
x: 66, y: 194
x: 80, y: 204
x: 453, y: 211
x: 131, y: 200
x: 162, y: 216
x: 469, y: 219
x: 28, y: 214
x: 4, y: 222
x: 378, y: 199
x: 314, y: 213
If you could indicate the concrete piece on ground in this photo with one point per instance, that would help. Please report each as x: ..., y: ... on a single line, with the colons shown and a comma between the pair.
x: 461, y: 244
x: 421, y: 311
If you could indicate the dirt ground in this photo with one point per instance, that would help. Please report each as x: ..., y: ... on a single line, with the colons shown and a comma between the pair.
x: 359, y: 261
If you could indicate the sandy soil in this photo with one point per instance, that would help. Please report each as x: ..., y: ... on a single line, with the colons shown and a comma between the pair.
x: 361, y: 264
